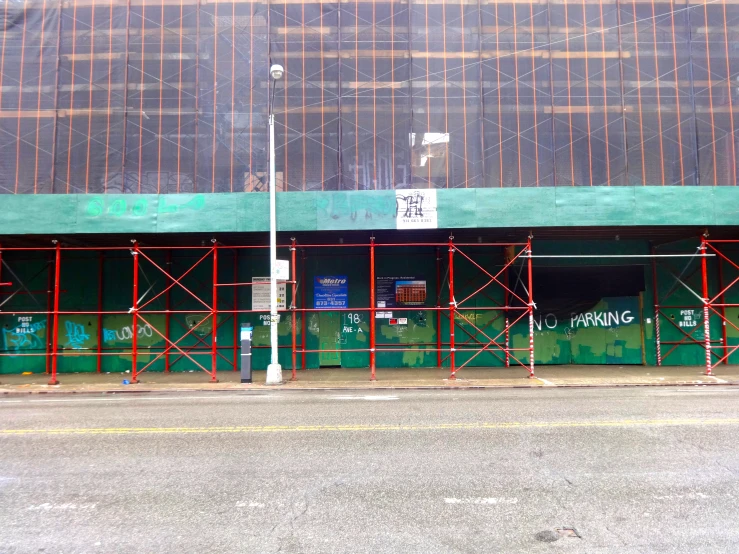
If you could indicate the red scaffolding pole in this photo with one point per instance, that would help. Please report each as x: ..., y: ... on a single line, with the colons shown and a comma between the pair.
x: 55, y: 332
x: 373, y: 304
x: 294, y: 275
x: 663, y: 305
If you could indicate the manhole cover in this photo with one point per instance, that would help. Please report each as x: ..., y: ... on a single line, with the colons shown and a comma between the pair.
x: 568, y: 532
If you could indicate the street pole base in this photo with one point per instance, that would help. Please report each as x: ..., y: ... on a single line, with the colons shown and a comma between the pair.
x: 452, y: 377
x: 245, y: 381
x: 532, y: 376
x: 53, y: 382
x: 274, y: 374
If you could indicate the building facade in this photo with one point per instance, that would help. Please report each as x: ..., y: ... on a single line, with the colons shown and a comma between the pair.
x: 458, y: 181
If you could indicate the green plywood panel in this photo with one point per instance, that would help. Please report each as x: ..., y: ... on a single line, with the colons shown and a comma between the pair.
x: 458, y: 208
x: 356, y: 210
x: 726, y: 206
x: 202, y: 212
x: 676, y: 205
x: 512, y: 207
x: 299, y: 209
x: 595, y: 206
x: 23, y: 214
x: 106, y: 213
x: 340, y: 210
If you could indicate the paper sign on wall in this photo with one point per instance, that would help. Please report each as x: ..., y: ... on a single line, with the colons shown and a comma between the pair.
x: 260, y: 294
x: 398, y: 292
x: 330, y: 292
x: 416, y: 209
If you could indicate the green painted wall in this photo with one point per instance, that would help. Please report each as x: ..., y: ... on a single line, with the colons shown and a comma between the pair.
x: 313, y: 211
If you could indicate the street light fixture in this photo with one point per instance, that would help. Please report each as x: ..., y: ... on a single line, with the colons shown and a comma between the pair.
x: 274, y: 369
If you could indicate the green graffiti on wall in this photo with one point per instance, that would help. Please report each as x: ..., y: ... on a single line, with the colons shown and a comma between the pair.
x: 141, y: 205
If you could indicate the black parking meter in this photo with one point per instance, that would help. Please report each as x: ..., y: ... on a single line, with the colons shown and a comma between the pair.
x: 246, y: 333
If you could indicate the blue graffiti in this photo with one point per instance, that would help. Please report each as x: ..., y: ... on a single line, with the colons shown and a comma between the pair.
x: 24, y: 337
x: 76, y: 335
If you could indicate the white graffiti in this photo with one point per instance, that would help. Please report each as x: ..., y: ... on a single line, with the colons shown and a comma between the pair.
x: 602, y: 319
x: 550, y: 321
x: 126, y: 333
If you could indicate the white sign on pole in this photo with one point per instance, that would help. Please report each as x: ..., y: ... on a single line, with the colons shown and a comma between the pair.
x: 282, y: 270
x: 260, y: 294
x: 416, y: 209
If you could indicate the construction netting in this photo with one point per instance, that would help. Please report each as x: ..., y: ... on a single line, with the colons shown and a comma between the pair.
x: 171, y: 96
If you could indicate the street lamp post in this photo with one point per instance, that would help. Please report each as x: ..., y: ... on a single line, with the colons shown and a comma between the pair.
x: 274, y: 369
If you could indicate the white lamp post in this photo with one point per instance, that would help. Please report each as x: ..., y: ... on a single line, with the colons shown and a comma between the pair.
x: 274, y: 369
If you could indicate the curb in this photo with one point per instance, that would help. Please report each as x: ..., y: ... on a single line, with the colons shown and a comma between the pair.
x: 262, y: 388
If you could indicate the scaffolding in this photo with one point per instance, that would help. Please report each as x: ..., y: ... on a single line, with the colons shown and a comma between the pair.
x: 109, y: 96
x: 147, y: 313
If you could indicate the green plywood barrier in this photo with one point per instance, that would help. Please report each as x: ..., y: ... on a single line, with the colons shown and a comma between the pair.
x: 367, y: 210
x: 478, y: 318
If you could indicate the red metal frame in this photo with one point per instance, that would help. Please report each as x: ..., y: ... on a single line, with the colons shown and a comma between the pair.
x: 661, y: 305
x: 479, y: 340
x: 716, y: 303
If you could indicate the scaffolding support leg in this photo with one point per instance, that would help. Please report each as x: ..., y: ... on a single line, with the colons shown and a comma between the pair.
x: 506, y: 299
x: 438, y: 312
x: 55, y: 331
x: 101, y: 258
x: 168, y: 307
x: 706, y: 301
x: 373, y: 304
x: 657, y: 340
x: 531, y: 313
x: 236, y: 329
x: 49, y: 304
x: 134, y: 311
x: 452, y: 306
x: 214, y: 316
x: 303, y: 315
x: 722, y: 300
x: 294, y: 275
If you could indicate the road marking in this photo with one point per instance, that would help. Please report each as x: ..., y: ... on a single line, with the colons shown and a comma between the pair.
x: 706, y: 389
x: 724, y: 381
x: 378, y: 427
x: 364, y: 398
x: 46, y: 507
x: 547, y: 383
x: 477, y: 500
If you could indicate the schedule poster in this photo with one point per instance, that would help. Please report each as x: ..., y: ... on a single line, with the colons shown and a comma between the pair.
x: 400, y: 292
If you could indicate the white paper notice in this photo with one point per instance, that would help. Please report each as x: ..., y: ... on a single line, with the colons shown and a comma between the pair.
x: 260, y: 294
x: 416, y: 209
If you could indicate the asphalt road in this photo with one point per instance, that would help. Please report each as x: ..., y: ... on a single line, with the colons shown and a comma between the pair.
x: 631, y: 470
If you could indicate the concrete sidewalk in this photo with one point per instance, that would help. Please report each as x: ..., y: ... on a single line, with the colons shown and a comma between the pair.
x: 546, y: 376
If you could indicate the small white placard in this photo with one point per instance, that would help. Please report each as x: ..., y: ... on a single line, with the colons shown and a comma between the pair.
x: 381, y: 304
x: 282, y: 270
x: 402, y: 321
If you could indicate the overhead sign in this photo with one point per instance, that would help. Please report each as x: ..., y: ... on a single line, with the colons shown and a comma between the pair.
x: 330, y: 292
x: 399, y: 292
x: 260, y: 299
x: 416, y: 209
